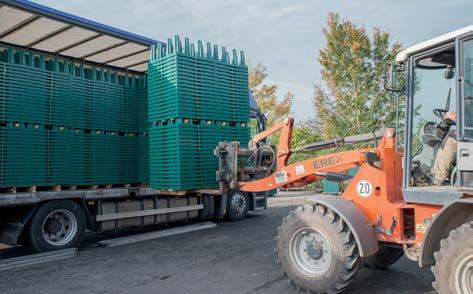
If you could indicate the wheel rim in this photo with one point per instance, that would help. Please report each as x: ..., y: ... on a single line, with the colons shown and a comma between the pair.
x: 59, y: 227
x: 464, y: 275
x: 311, y: 252
x: 238, y: 203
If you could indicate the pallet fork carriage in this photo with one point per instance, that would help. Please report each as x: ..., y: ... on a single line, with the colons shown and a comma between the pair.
x: 394, y: 204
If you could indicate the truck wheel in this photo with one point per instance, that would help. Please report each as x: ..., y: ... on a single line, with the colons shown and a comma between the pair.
x: 387, y: 255
x: 237, y: 205
x: 453, y: 269
x: 317, y: 250
x: 56, y: 225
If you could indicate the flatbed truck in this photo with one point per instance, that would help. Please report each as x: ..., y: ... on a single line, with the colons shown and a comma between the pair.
x: 57, y: 217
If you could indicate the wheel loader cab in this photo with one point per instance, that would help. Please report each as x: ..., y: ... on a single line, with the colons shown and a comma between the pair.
x: 437, y: 149
x: 432, y: 86
x: 322, y: 244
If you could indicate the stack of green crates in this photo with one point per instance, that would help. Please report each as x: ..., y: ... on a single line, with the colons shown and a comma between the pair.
x: 62, y: 123
x: 144, y: 131
x: 197, y: 98
x: 20, y: 163
x: 197, y: 84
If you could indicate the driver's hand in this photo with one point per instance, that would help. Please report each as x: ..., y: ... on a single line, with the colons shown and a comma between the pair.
x: 451, y: 116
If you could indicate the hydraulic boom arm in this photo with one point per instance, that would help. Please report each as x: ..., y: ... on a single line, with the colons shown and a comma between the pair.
x: 296, y: 174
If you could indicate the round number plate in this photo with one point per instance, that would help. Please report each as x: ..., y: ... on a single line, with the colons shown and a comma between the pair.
x: 364, y: 189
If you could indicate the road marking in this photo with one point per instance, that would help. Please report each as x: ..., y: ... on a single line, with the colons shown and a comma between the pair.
x: 155, y: 235
x: 16, y: 262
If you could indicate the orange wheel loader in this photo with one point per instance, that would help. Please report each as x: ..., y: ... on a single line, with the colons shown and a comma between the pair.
x: 412, y: 194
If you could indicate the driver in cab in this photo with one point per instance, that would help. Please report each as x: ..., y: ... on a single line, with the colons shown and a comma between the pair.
x: 447, y: 153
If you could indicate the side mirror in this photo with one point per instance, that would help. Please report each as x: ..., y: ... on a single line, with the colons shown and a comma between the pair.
x: 391, y: 79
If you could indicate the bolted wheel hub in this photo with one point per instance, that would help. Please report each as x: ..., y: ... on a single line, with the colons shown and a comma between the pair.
x: 59, y: 227
x: 311, y: 252
x: 238, y: 202
x: 52, y: 226
x: 315, y: 250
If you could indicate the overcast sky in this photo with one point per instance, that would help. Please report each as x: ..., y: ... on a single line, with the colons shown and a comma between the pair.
x: 285, y: 36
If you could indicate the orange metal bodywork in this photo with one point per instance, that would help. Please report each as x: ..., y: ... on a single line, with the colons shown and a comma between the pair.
x: 384, y: 206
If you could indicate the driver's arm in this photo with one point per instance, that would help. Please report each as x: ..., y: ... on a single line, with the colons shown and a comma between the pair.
x: 451, y: 116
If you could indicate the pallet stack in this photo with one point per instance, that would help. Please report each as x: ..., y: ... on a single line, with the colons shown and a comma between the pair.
x: 197, y: 98
x: 65, y: 124
x: 143, y: 137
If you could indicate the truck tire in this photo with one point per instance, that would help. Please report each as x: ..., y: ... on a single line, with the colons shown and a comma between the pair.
x: 387, y: 255
x: 238, y: 204
x: 56, y: 225
x: 316, y: 250
x: 453, y: 269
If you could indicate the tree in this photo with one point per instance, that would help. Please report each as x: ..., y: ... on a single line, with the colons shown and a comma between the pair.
x: 273, y: 108
x: 304, y: 133
x: 352, y: 99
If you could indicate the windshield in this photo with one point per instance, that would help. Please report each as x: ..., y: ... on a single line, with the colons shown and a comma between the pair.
x: 431, y: 89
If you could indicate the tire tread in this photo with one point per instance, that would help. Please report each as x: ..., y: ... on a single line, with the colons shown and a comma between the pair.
x: 353, y: 259
x: 454, y: 236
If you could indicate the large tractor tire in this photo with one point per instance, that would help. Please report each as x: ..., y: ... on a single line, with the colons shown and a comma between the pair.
x: 453, y: 269
x: 56, y: 225
x: 316, y: 250
x: 387, y: 255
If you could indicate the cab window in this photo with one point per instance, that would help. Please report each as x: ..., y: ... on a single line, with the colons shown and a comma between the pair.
x: 433, y: 95
x: 468, y: 88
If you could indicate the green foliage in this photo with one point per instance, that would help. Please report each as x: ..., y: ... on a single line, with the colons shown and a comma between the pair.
x: 352, y: 99
x: 305, y: 133
x: 273, y: 108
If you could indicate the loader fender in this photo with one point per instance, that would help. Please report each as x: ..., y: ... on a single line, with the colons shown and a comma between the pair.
x: 355, y: 218
x: 447, y: 219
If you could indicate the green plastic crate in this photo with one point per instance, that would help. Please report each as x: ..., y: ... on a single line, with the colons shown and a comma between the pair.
x: 181, y: 154
x: 63, y: 124
x: 195, y: 84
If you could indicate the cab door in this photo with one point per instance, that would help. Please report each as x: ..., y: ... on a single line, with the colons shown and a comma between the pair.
x: 464, y: 61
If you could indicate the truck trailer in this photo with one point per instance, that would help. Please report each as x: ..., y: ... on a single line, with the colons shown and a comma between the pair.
x: 52, y: 209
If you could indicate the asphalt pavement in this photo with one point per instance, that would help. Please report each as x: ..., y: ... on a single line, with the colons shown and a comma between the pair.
x: 234, y: 257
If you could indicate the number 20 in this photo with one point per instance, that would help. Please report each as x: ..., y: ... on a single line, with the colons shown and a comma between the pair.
x: 364, y: 188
